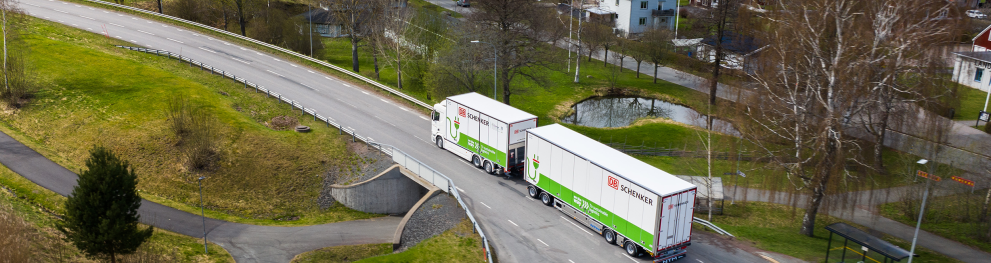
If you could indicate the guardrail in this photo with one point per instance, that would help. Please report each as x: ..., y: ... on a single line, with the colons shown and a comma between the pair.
x: 400, y: 157
x: 290, y: 52
x: 712, y: 226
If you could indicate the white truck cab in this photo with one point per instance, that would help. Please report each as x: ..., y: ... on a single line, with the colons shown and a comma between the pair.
x: 483, y: 131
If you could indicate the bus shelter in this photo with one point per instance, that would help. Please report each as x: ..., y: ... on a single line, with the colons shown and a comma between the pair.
x: 872, y: 249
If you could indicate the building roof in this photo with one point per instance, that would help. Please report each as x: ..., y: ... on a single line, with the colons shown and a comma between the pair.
x: 319, y: 16
x: 703, y: 189
x: 686, y: 42
x: 649, y: 177
x: 984, y: 56
x: 492, y: 108
x: 736, y: 43
x: 871, y: 242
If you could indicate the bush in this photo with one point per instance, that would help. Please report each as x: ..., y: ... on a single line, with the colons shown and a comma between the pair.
x: 196, y: 133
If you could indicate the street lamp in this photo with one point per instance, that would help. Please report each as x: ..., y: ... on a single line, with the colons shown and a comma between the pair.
x: 495, y: 68
x: 921, y: 210
x: 205, y: 249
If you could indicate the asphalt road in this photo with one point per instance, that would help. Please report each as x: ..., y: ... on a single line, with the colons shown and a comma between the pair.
x: 521, y: 229
x: 246, y: 243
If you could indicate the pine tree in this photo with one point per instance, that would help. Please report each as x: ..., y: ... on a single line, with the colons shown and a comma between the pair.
x: 102, y: 213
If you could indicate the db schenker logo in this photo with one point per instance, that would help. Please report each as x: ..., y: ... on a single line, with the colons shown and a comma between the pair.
x: 462, y: 112
x: 613, y: 183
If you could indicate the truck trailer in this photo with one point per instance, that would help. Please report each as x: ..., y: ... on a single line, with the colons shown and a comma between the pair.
x: 484, y: 131
x: 630, y: 203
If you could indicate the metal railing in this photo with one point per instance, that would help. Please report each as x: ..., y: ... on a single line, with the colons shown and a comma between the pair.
x: 290, y: 52
x: 400, y: 157
x: 711, y: 226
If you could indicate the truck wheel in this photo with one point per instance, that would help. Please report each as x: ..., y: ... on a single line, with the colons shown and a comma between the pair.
x: 533, y: 191
x: 476, y: 161
x: 488, y: 167
x: 609, y: 235
x: 546, y: 199
x: 632, y: 249
x: 440, y: 142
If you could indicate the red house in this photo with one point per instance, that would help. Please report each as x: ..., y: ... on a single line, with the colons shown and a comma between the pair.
x: 982, y: 42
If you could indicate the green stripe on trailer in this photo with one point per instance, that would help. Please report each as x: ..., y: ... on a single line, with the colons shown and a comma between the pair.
x: 616, y: 223
x: 484, y: 150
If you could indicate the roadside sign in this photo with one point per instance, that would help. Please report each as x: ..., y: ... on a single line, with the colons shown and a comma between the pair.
x: 984, y: 116
x: 928, y: 176
x: 962, y: 181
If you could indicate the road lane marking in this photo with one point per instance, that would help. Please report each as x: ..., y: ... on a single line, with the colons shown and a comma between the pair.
x: 571, y: 261
x: 243, y: 48
x: 245, y: 62
x: 90, y: 28
x: 277, y: 59
x: 180, y: 42
x: 366, y: 93
x: 273, y: 72
x: 142, y: 31
x: 401, y: 108
x: 132, y: 40
x: 116, y: 25
x: 700, y: 261
x: 542, y: 242
x: 383, y: 100
x: 75, y: 25
x: 631, y: 258
x: 485, y: 205
x: 310, y: 71
x: 328, y: 78
x: 86, y: 17
x: 459, y: 189
x: 294, y: 65
x: 207, y: 50
x: 370, y: 139
x: 60, y: 11
x: 576, y: 225
x: 511, y: 222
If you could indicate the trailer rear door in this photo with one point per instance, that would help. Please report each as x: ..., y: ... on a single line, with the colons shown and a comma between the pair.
x: 675, y: 225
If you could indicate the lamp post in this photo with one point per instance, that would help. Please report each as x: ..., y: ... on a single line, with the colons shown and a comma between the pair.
x: 205, y: 248
x: 921, y: 210
x: 495, y: 68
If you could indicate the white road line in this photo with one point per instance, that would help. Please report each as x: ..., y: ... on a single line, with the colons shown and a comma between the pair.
x: 511, y: 222
x: 542, y: 242
x: 576, y: 225
x: 245, y: 62
x: 180, y: 42
x: 194, y: 34
x: 627, y: 256
x: 424, y: 118
x: 86, y: 17
x: 90, y: 28
x: 115, y: 24
x: 119, y: 37
x: 366, y: 93
x: 294, y: 65
x: 383, y: 100
x: 139, y: 30
x: 105, y: 12
x: 571, y: 261
x: 132, y: 40
x: 310, y: 71
x: 699, y: 260
x: 459, y: 189
x: 273, y: 72
x: 345, y: 84
x: 242, y: 48
x: 328, y: 78
x: 277, y: 59
x: 401, y: 108
x: 207, y: 50
x: 75, y: 25
x: 60, y: 11
x: 165, y: 26
x: 370, y: 139
x: 485, y: 205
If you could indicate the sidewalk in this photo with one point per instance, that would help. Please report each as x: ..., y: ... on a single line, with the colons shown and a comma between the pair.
x: 864, y: 214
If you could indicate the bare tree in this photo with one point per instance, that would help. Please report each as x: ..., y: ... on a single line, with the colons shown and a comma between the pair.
x: 621, y: 48
x: 17, y: 87
x: 716, y: 25
x: 657, y: 44
x: 807, y: 88
x: 397, y: 39
x: 519, y: 30
x: 638, y: 51
x: 243, y: 10
x: 352, y: 15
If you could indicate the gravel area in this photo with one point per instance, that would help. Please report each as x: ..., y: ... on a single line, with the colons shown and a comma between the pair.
x: 436, y: 215
x: 365, y: 163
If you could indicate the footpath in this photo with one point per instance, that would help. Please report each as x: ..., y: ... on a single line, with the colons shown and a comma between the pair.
x: 246, y: 243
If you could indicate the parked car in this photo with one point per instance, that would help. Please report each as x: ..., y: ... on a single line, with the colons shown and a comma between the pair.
x: 976, y: 14
x: 463, y: 3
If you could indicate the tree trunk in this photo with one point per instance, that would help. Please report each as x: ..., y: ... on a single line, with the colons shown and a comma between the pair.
x: 505, y: 86
x: 638, y: 69
x: 399, y: 67
x: 160, y: 7
x: 620, y: 64
x: 354, y: 53
x: 715, y: 75
x: 605, y: 58
x: 818, y: 187
x: 375, y: 60
x: 879, y: 135
x: 655, y: 73
x: 240, y: 19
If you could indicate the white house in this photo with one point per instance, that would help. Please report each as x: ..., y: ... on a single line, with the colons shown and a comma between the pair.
x: 973, y: 69
x: 635, y: 16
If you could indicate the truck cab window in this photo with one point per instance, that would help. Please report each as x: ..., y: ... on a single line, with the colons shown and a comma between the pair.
x: 436, y: 116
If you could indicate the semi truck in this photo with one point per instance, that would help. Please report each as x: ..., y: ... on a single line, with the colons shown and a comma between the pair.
x: 483, y: 131
x: 630, y: 203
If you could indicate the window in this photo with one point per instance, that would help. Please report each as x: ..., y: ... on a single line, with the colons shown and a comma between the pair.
x: 436, y: 115
x: 323, y: 29
x: 978, y: 74
x: 643, y: 5
x: 617, y: 2
x: 643, y: 21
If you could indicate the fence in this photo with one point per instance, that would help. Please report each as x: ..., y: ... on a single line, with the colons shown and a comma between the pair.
x: 400, y: 157
x: 290, y: 52
x: 711, y: 226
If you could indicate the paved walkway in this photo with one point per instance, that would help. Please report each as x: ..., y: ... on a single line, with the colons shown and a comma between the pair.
x: 246, y: 243
x: 864, y: 213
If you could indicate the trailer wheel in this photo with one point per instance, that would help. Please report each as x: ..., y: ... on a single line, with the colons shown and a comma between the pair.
x: 533, y: 191
x: 440, y: 142
x: 546, y: 199
x: 488, y: 167
x: 476, y: 161
x: 609, y: 235
x: 631, y: 249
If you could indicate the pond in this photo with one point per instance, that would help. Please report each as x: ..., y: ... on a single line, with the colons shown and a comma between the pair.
x: 623, y: 111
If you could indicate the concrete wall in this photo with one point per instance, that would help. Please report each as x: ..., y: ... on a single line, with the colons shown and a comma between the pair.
x: 391, y: 192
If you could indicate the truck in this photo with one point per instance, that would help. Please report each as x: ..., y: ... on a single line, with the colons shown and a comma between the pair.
x: 630, y: 203
x: 483, y: 131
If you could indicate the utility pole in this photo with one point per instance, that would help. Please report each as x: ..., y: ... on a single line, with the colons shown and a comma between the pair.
x: 922, y: 210
x: 309, y: 10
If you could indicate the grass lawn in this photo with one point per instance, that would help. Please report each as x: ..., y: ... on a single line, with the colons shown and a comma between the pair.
x: 96, y: 94
x: 32, y: 199
x: 971, y: 102
x: 775, y: 227
x: 955, y: 217
x: 458, y: 244
x: 433, y: 7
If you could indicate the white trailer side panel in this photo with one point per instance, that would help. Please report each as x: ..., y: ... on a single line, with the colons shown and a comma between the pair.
x: 568, y: 173
x: 621, y: 201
